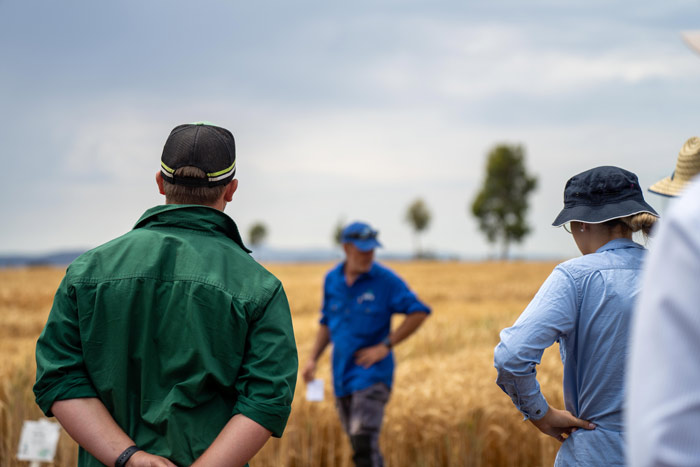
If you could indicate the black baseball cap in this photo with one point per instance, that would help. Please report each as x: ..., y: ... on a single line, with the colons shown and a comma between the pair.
x: 207, y: 147
x: 602, y: 194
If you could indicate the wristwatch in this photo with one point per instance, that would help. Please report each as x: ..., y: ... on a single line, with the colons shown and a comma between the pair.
x: 387, y: 342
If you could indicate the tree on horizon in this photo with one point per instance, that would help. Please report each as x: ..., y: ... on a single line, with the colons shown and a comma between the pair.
x: 257, y: 233
x: 338, y: 232
x: 418, y: 216
x: 502, y: 202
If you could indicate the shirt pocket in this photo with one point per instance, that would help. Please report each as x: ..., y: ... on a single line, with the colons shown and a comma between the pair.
x: 334, y: 313
x: 369, y: 320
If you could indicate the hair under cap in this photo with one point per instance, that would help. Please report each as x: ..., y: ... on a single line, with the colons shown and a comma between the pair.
x: 207, y: 147
x: 602, y: 194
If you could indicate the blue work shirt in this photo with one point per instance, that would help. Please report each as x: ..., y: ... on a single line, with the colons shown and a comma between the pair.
x: 360, y: 316
x: 586, y: 305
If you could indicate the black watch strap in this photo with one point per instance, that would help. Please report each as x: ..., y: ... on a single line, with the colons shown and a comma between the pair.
x: 387, y: 342
x: 125, y: 456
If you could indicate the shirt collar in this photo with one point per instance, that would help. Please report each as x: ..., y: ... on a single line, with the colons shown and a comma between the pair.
x: 340, y: 269
x: 619, y: 243
x: 372, y: 271
x: 195, y: 217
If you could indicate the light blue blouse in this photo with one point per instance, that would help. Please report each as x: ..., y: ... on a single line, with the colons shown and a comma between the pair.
x: 586, y: 305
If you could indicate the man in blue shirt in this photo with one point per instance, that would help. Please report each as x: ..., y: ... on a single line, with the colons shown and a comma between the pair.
x: 359, y: 298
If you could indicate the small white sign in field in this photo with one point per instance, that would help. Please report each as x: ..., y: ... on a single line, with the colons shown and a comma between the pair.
x: 38, y: 441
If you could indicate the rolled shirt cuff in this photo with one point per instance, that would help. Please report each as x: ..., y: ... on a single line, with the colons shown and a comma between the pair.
x: 535, y: 408
x: 526, y: 396
x: 270, y: 416
x: 64, y: 391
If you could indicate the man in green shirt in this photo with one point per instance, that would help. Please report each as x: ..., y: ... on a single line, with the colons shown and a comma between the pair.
x: 170, y: 345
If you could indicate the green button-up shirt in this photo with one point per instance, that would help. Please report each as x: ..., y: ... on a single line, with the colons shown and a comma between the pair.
x: 175, y: 328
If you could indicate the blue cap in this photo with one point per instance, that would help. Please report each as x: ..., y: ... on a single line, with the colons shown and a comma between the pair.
x: 361, y: 235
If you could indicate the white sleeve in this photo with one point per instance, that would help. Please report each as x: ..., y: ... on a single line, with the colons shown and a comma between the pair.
x: 663, y: 378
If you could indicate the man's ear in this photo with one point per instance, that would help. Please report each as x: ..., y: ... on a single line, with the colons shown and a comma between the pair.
x: 159, y: 181
x: 230, y: 190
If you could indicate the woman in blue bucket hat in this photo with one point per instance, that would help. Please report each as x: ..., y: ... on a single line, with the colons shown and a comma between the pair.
x: 585, y: 305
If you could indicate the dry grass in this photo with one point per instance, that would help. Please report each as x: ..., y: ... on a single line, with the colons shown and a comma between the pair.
x: 25, y: 301
x: 445, y: 408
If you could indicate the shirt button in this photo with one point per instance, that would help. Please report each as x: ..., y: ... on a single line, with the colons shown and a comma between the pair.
x: 538, y: 412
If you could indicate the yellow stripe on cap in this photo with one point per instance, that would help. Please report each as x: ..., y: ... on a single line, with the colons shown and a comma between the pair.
x: 228, y: 169
x: 167, y: 169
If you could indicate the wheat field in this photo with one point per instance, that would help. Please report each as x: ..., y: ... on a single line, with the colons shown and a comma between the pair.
x: 445, y: 409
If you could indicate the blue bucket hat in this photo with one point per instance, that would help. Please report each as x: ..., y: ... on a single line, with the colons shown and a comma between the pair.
x: 600, y: 195
x: 361, y: 235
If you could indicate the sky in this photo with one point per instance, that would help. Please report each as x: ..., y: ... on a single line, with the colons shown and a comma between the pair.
x: 341, y: 111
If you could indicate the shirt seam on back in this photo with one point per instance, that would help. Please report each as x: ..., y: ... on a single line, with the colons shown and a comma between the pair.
x: 234, y: 294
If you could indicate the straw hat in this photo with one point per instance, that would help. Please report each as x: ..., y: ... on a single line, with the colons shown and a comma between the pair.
x: 687, y: 167
x: 692, y: 38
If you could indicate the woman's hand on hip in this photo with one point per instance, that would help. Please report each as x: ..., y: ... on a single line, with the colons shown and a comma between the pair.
x: 557, y: 423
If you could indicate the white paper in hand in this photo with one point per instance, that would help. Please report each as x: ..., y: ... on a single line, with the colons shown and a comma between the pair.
x: 314, y: 390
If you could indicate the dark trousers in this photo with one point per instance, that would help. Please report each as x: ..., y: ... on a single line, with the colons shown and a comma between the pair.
x: 361, y: 415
